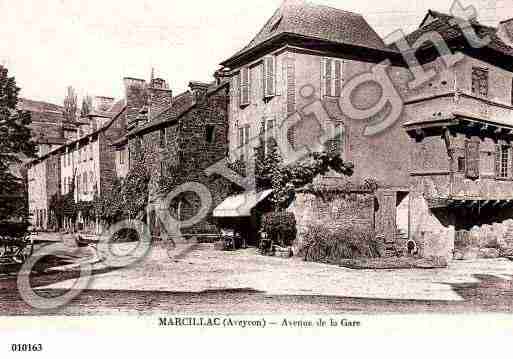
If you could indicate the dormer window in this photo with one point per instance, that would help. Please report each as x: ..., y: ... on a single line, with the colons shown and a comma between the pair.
x: 275, y: 25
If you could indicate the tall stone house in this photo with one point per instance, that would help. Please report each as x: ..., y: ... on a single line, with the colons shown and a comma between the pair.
x: 176, y: 138
x: 448, y: 153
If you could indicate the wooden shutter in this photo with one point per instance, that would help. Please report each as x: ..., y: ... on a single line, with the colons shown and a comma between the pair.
x: 246, y: 135
x: 338, y: 78
x: 241, y: 137
x: 269, y: 76
x: 472, y: 155
x: 291, y: 86
x: 323, y: 77
x: 245, y: 86
x: 498, y: 160
x: 329, y: 77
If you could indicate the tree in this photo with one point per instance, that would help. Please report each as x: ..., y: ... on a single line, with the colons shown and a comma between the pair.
x: 15, y: 144
x: 284, y: 180
x: 70, y: 105
x: 87, y: 106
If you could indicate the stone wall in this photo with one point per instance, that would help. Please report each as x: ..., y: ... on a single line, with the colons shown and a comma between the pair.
x: 332, y: 210
x: 195, y: 139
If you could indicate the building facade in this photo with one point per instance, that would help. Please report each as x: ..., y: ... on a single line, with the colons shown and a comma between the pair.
x: 293, y: 69
x: 176, y: 138
x: 83, y: 165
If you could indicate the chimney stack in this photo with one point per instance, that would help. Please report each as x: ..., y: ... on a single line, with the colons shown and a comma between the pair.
x: 199, y: 90
x: 136, y: 96
x: 161, y: 97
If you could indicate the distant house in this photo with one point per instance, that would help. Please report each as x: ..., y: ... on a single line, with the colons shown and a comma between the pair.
x: 84, y: 164
x: 49, y: 128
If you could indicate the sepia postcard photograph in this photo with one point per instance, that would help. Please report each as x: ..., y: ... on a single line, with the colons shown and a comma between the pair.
x: 337, y: 173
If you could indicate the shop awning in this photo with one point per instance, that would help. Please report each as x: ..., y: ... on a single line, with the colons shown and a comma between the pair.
x: 240, y: 205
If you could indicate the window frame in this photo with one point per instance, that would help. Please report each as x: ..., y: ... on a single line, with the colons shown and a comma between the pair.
x: 480, y: 89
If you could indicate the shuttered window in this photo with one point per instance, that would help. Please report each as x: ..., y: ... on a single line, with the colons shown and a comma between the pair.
x: 331, y: 77
x: 243, y: 141
x: 291, y: 86
x: 472, y: 156
x: 480, y: 81
x: 268, y: 132
x: 244, y: 90
x: 269, y: 76
x: 503, y: 161
x: 335, y: 144
x: 512, y: 92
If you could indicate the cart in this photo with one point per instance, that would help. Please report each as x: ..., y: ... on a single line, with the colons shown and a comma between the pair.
x: 16, y: 244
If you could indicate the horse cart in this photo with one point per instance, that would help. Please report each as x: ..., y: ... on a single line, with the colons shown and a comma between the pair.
x: 16, y: 245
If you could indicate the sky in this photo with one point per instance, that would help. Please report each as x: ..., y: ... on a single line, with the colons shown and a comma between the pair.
x: 91, y: 45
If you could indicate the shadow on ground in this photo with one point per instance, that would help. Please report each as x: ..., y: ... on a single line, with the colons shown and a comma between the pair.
x: 489, y: 295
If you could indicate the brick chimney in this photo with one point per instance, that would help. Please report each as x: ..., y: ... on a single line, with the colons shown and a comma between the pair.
x: 221, y: 76
x: 136, y: 96
x: 161, y: 97
x: 199, y: 90
x: 505, y: 32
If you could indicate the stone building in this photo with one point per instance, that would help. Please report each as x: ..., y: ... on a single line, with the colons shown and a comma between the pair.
x: 300, y: 66
x: 85, y: 164
x: 177, y: 138
x: 461, y: 174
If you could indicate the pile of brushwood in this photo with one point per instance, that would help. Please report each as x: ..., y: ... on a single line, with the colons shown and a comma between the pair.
x: 325, y: 245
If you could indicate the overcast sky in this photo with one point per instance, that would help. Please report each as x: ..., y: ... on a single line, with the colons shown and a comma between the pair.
x: 93, y: 44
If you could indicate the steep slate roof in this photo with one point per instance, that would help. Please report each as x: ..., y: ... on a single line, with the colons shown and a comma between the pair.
x: 298, y: 17
x: 47, y: 121
x: 442, y: 25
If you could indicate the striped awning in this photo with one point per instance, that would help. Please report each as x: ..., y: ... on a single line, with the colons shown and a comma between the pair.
x: 240, y: 205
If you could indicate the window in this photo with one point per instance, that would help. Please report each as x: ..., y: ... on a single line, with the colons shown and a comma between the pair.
x: 335, y: 143
x: 276, y: 24
x: 210, y: 133
x: 162, y: 138
x: 502, y: 161
x: 461, y: 164
x: 269, y: 76
x: 480, y: 81
x: 268, y: 132
x: 243, y: 141
x: 91, y: 182
x: 85, y: 184
x: 244, y: 88
x: 331, y: 77
x: 472, y: 156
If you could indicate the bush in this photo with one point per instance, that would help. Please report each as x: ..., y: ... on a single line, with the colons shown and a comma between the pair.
x: 332, y: 245
x: 280, y: 227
